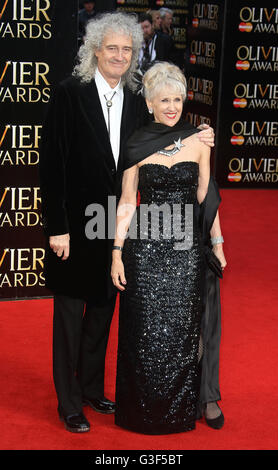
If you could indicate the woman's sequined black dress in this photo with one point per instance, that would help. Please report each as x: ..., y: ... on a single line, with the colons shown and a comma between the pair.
x: 160, y: 313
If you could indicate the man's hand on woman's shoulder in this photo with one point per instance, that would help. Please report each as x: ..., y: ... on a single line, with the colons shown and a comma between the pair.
x: 206, y: 135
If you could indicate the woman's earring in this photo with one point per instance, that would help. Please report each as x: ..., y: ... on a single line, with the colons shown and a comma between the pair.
x: 150, y: 110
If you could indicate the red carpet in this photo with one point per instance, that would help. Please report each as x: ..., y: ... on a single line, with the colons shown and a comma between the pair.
x: 249, y: 350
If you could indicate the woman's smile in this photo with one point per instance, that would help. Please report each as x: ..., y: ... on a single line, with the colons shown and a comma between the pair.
x: 171, y: 115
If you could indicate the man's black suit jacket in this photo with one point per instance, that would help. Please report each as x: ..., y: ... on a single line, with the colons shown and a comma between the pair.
x: 77, y: 168
x: 164, y: 47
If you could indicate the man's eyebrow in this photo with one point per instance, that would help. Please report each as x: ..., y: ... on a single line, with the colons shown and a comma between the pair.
x: 116, y: 45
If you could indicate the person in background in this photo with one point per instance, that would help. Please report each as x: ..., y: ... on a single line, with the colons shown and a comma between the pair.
x: 156, y: 47
x: 84, y: 15
x: 156, y: 19
x: 166, y: 20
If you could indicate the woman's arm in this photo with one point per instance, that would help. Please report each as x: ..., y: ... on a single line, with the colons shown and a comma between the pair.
x: 217, y: 247
x: 204, y: 172
x: 125, y: 211
x: 204, y: 175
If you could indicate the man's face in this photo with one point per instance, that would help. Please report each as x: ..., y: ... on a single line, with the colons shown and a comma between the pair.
x: 114, y: 56
x: 147, y: 29
x: 89, y: 6
x: 168, y: 20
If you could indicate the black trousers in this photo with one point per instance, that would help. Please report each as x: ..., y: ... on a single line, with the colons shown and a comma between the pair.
x: 80, y: 336
x: 211, y: 335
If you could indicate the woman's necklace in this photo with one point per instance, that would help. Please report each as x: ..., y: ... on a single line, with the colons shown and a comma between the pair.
x: 174, y: 150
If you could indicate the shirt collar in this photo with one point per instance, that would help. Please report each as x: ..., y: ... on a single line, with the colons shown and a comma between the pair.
x: 103, y: 86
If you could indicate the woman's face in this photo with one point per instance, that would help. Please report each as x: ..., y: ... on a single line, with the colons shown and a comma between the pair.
x: 157, y: 21
x: 167, y: 106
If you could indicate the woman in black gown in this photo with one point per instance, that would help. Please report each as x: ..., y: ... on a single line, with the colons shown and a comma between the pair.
x: 161, y: 273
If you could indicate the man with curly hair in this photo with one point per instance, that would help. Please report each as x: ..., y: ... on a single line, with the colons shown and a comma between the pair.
x: 90, y: 117
x: 81, y: 163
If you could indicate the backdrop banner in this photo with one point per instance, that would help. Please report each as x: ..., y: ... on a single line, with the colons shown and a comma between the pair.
x: 133, y: 6
x: 38, y: 49
x: 231, y: 61
x: 203, y: 62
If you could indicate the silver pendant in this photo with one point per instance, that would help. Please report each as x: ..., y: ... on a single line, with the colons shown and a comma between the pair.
x: 174, y: 150
x: 109, y: 103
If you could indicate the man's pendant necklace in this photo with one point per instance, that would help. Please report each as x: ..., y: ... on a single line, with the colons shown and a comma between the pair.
x: 174, y: 150
x: 109, y: 104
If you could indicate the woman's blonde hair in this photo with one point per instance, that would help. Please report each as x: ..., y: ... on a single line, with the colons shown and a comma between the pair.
x: 96, y: 30
x: 163, y: 74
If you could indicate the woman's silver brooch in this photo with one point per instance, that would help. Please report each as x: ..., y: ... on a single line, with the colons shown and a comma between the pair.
x: 174, y: 150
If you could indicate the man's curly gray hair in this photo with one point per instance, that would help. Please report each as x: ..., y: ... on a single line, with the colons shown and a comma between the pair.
x: 164, y: 10
x: 97, y: 29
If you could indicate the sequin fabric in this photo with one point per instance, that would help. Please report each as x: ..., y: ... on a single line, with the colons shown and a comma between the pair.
x: 160, y: 313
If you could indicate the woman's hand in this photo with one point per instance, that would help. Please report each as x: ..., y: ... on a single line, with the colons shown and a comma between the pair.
x: 219, y: 253
x: 118, y: 273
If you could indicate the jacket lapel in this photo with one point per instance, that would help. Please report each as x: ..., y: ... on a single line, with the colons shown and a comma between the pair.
x: 127, y: 119
x: 96, y: 118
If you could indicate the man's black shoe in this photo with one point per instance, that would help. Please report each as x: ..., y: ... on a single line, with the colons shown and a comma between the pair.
x: 101, y: 405
x: 75, y: 422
